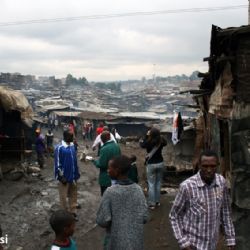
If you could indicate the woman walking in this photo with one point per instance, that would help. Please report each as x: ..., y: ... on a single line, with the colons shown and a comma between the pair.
x: 154, y: 143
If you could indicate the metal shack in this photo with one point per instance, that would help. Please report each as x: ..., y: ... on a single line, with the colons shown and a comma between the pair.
x: 15, y: 125
x: 224, y: 123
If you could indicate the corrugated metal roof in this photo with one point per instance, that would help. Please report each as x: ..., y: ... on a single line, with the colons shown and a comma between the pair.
x: 53, y: 107
x: 141, y: 115
x: 68, y: 113
x: 96, y: 116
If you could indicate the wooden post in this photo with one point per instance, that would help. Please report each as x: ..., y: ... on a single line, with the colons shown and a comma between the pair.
x: 22, y: 144
x: 249, y: 12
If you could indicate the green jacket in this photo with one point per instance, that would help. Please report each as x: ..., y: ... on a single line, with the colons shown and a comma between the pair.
x: 133, y: 173
x: 107, y: 152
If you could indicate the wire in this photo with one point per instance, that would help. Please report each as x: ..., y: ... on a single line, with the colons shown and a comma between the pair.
x: 128, y: 14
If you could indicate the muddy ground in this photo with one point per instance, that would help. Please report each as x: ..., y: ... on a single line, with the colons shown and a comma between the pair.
x: 27, y: 204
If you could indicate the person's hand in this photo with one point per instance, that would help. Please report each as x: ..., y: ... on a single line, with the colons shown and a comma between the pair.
x: 94, y: 148
x: 63, y: 180
x: 230, y: 247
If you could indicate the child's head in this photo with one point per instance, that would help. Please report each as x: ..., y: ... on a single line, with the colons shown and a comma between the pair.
x: 133, y: 158
x: 63, y: 223
x: 119, y: 167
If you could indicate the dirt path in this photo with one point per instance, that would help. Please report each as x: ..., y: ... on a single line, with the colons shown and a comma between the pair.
x: 158, y: 234
x: 26, y: 206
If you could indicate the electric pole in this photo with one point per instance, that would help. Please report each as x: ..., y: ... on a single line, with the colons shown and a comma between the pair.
x: 248, y: 12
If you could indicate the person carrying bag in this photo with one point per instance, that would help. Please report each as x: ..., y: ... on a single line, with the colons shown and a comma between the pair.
x: 154, y: 143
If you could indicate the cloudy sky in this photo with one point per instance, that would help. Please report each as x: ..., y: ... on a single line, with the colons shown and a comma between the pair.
x: 110, y: 49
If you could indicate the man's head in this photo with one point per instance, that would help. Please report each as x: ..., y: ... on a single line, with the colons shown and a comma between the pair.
x: 208, y: 165
x: 105, y: 128
x: 105, y: 136
x: 63, y: 223
x: 118, y: 167
x: 154, y: 132
x: 38, y: 132
x: 67, y: 136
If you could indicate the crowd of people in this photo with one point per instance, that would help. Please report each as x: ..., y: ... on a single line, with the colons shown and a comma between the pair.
x: 199, y: 210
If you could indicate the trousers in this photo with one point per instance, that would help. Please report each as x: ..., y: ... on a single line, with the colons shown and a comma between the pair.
x: 68, y: 196
x: 154, y: 176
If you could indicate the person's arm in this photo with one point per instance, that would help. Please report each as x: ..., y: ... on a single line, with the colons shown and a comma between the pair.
x: 58, y: 166
x: 102, y: 162
x: 176, y: 218
x: 96, y: 142
x: 104, y: 213
x: 145, y: 208
x: 76, y: 170
x: 136, y: 174
x: 56, y: 162
x: 226, y: 220
x: 144, y: 142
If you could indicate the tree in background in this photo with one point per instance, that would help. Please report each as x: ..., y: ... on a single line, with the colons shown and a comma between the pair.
x: 71, y: 80
x: 114, y: 86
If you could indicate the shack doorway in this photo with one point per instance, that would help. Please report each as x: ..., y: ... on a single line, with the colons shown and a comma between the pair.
x: 11, y: 138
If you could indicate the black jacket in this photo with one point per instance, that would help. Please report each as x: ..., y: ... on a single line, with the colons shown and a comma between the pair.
x: 157, y: 157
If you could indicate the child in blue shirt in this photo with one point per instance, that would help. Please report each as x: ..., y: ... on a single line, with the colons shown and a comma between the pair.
x: 63, y: 224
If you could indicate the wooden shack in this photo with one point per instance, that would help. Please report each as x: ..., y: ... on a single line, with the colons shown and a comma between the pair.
x: 15, y: 124
x: 224, y: 124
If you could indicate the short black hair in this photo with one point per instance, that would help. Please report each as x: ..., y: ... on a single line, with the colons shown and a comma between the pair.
x: 209, y: 153
x: 61, y: 219
x: 122, y: 162
x: 67, y: 136
x: 105, y: 136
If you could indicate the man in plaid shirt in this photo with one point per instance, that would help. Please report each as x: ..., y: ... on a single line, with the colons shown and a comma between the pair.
x: 201, y: 206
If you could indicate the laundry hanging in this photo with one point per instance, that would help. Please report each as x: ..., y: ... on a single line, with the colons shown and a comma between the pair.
x: 177, y: 127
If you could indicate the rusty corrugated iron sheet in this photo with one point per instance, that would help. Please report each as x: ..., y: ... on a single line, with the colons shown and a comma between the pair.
x: 230, y: 46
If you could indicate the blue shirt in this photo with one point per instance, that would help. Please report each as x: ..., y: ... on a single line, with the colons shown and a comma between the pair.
x: 40, y: 146
x: 66, y: 162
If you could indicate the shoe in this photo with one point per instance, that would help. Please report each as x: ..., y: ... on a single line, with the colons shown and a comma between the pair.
x: 151, y: 207
x: 158, y: 204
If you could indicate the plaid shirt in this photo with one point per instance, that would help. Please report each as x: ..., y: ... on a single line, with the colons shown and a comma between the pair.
x: 199, y: 210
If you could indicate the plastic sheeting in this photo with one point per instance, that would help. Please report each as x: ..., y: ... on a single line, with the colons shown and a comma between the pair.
x: 15, y: 100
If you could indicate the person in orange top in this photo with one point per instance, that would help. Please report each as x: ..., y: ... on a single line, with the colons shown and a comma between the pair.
x: 99, y: 129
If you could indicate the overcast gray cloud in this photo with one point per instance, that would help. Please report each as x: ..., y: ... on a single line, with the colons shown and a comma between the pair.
x: 113, y: 48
